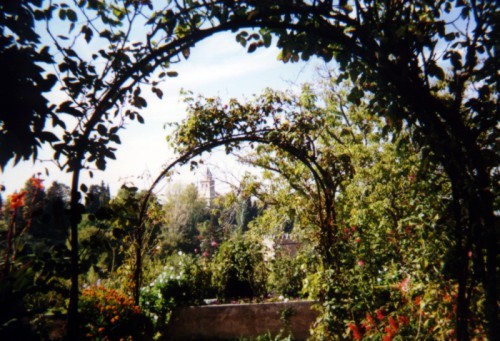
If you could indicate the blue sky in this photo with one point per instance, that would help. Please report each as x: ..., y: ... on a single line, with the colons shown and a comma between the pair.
x: 217, y: 67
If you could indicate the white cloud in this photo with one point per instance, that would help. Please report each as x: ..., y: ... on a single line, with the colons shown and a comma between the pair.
x: 227, y: 69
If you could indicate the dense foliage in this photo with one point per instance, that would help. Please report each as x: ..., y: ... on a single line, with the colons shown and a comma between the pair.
x: 24, y: 81
x: 390, y: 218
x: 425, y: 71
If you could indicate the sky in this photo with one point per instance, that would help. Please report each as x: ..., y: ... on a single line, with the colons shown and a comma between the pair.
x: 217, y: 66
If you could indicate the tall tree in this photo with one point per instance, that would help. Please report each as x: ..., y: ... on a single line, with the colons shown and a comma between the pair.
x: 56, y: 207
x: 184, y: 211
x: 97, y: 196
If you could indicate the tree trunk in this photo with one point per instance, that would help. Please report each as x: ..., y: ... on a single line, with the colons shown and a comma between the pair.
x: 138, y: 264
x: 73, y: 328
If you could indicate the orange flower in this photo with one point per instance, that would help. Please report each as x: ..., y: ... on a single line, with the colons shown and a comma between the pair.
x: 370, y: 322
x: 17, y: 200
x: 390, y: 331
x: 387, y: 337
x: 403, y: 320
x: 36, y: 183
x: 393, y: 323
x: 355, y: 331
x: 417, y: 300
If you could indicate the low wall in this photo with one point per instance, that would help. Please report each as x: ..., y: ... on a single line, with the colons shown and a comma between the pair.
x: 232, y: 321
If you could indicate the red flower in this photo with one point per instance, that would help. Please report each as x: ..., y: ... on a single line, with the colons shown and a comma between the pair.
x: 36, y: 183
x: 17, y: 200
x: 403, y: 320
x: 416, y: 300
x: 370, y: 319
x: 361, y: 262
x: 380, y: 314
x: 356, y: 334
x: 393, y: 323
x: 387, y: 337
x: 390, y: 330
x: 214, y: 244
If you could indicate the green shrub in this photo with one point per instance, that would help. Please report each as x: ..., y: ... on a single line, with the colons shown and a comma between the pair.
x: 184, y: 281
x: 239, y: 270
x: 286, y: 275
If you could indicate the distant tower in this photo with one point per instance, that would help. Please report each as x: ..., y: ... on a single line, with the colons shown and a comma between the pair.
x: 207, y: 187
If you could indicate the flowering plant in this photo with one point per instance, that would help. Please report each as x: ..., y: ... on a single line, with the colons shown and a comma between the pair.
x: 182, y: 281
x: 109, y: 314
x: 16, y: 226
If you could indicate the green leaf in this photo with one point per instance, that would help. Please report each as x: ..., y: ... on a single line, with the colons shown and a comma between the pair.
x: 172, y: 73
x: 117, y: 12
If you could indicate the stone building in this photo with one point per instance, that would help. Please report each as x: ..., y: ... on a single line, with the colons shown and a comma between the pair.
x: 207, y: 186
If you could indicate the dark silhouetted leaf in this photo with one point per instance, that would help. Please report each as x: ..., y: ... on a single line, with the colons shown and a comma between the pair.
x: 101, y: 129
x: 158, y: 92
x: 101, y: 164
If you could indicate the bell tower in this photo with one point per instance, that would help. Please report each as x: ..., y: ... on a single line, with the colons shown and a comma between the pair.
x: 207, y: 186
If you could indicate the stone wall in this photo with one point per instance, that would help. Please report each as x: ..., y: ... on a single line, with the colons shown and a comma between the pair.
x: 232, y: 321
